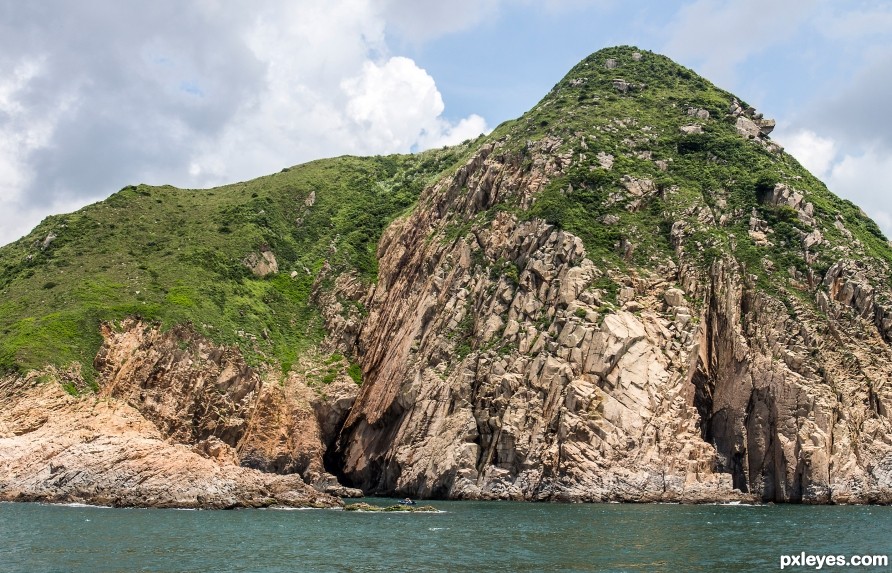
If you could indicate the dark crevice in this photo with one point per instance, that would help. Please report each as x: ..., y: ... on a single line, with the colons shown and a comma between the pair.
x: 703, y: 392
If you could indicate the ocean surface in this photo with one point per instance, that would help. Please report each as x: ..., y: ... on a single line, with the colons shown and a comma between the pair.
x: 466, y: 536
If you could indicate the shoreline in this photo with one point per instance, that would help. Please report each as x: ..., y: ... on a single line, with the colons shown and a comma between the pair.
x: 428, y: 502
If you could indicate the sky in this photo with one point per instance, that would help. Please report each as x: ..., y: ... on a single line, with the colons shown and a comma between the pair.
x: 96, y: 95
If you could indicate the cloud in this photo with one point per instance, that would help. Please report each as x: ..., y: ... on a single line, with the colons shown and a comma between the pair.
x: 814, y: 152
x: 99, y: 95
x: 864, y: 179
x: 857, y: 24
x: 721, y: 34
x: 419, y: 20
x: 856, y: 112
x: 397, y: 105
x: 23, y: 132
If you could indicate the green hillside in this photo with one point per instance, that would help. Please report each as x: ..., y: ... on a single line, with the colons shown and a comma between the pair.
x: 176, y: 256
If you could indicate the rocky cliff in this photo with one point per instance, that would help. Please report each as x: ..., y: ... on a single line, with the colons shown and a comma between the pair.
x: 513, y: 376
x: 630, y: 293
x: 178, y: 422
x: 507, y: 357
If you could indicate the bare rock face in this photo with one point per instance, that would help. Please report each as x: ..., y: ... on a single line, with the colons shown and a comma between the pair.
x: 98, y: 450
x: 786, y: 426
x: 262, y: 264
x: 178, y: 422
x: 578, y: 403
x: 193, y: 391
x: 751, y: 124
x: 495, y: 368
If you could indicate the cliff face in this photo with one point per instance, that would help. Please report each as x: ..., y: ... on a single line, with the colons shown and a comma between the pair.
x: 630, y: 293
x: 558, y: 396
x: 61, y: 449
x: 519, y: 384
x: 499, y: 364
x: 178, y: 422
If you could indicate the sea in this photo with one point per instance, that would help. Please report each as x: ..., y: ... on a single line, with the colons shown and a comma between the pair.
x: 462, y: 536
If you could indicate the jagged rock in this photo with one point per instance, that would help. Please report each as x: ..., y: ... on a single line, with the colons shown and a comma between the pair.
x: 699, y: 113
x: 174, y: 410
x: 605, y: 160
x: 812, y: 239
x: 674, y: 297
x: 610, y: 63
x: 637, y: 187
x: 625, y: 294
x: 329, y: 484
x: 261, y: 264
x: 216, y: 449
x: 840, y: 225
x: 621, y: 85
x: 636, y: 56
x: 759, y: 238
x: 766, y: 126
x: 584, y: 383
x: 500, y: 446
x: 60, y: 449
x: 47, y: 240
x: 691, y: 129
x: 747, y: 127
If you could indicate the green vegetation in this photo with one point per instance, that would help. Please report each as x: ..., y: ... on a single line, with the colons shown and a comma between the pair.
x: 355, y: 372
x: 710, y: 184
x: 176, y: 256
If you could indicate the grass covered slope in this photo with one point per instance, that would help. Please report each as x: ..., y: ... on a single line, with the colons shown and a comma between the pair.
x: 178, y: 256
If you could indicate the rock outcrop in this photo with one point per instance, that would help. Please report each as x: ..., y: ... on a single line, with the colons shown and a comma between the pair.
x: 263, y: 263
x: 172, y: 409
x: 98, y: 450
x: 495, y: 368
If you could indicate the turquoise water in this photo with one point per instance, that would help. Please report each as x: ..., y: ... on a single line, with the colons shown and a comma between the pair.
x: 469, y: 536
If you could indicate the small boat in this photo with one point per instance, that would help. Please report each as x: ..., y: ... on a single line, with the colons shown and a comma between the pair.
x: 406, y: 501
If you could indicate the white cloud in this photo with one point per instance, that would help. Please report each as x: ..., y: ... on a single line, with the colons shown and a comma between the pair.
x: 329, y: 90
x: 864, y: 179
x: 854, y: 112
x: 721, y: 34
x: 856, y: 24
x: 449, y: 134
x: 22, y: 132
x: 814, y: 152
x: 397, y: 106
x: 205, y: 93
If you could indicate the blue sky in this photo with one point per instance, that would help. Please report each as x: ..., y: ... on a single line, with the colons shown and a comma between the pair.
x: 95, y: 95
